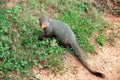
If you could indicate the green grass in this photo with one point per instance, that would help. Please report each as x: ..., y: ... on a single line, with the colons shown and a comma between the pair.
x: 19, y: 48
x: 100, y: 40
x: 54, y: 63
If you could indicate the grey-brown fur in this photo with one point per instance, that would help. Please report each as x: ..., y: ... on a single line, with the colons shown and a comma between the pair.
x: 64, y: 34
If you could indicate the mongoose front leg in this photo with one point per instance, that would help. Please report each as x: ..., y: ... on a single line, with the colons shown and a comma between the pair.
x: 40, y: 37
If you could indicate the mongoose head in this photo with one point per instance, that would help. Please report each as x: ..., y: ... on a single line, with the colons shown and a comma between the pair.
x: 43, y: 22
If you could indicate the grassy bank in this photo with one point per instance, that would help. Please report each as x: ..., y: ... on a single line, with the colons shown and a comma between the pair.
x: 19, y: 48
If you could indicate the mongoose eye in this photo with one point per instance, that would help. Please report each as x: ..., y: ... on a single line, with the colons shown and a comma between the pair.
x: 40, y: 24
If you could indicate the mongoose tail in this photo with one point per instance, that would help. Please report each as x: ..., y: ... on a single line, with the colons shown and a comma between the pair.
x: 81, y: 57
x: 98, y: 74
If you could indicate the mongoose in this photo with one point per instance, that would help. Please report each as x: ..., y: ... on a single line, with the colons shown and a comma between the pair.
x: 67, y: 37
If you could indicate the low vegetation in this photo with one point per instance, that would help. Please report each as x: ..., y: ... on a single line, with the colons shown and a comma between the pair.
x: 19, y: 48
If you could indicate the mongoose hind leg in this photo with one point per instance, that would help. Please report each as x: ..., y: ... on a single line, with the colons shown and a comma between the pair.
x: 65, y: 45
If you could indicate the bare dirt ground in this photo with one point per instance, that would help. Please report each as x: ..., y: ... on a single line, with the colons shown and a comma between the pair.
x: 106, y: 61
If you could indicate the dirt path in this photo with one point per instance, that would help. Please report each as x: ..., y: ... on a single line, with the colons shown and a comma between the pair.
x: 107, y: 61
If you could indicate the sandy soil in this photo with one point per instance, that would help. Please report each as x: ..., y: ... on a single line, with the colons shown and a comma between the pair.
x: 106, y: 61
